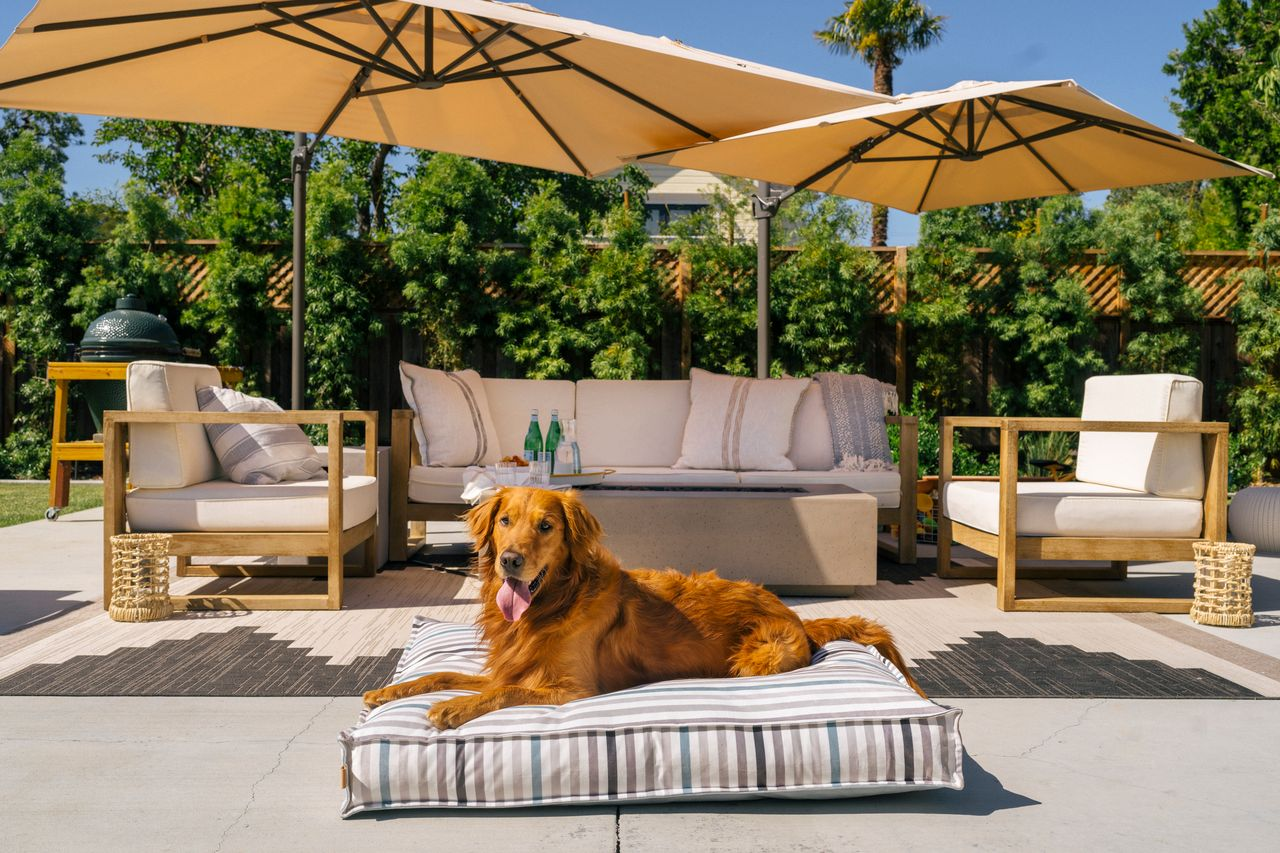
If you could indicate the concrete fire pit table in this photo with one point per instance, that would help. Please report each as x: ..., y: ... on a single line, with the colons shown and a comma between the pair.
x: 797, y: 540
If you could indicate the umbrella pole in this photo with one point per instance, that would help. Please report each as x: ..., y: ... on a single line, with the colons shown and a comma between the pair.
x: 298, y: 364
x: 764, y: 211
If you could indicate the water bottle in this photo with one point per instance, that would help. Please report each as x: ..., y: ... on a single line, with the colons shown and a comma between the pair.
x: 553, y: 439
x: 566, y: 450
x: 533, y: 438
x: 573, y: 443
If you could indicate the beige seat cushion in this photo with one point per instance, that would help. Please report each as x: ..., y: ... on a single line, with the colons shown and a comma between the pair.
x: 1075, y: 509
x: 220, y: 506
x: 884, y: 486
x: 631, y: 422
x: 510, y: 401
x: 1171, y: 466
x: 169, y: 456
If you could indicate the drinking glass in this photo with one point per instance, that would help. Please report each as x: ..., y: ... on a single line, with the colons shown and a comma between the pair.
x: 505, y: 474
x: 540, y: 472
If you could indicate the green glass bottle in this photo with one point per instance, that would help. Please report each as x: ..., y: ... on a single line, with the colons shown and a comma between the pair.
x: 553, y: 437
x: 533, y: 438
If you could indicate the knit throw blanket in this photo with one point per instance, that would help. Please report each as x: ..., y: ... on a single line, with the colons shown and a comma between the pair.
x: 855, y: 409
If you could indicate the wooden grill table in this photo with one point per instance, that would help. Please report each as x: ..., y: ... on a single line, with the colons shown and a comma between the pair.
x: 796, y: 540
x: 63, y: 452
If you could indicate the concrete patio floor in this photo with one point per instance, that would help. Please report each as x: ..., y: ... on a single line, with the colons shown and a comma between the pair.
x: 246, y: 774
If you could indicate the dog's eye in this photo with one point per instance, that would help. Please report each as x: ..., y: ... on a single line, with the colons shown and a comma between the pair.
x: 504, y: 521
x: 545, y: 526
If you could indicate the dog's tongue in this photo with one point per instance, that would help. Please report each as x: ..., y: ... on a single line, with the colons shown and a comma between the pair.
x: 513, y: 599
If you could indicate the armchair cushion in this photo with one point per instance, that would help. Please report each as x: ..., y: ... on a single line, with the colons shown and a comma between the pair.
x: 1171, y: 466
x: 453, y: 424
x: 169, y: 456
x: 256, y: 454
x: 1075, y: 509
x: 221, y: 506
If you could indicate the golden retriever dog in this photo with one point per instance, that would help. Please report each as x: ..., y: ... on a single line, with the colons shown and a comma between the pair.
x: 563, y: 620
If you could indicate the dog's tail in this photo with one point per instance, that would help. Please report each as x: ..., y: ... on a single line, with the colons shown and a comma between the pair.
x: 823, y: 631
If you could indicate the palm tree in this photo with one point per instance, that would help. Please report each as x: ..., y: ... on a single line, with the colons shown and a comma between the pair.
x: 880, y: 33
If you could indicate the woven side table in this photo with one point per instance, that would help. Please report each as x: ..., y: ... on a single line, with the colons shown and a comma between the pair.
x: 140, y: 577
x: 1224, y: 591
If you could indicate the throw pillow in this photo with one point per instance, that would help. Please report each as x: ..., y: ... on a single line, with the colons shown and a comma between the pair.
x: 256, y: 454
x: 739, y: 424
x: 452, y: 421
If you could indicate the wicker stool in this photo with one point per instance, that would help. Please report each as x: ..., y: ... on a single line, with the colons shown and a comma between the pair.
x: 140, y: 577
x: 1224, y: 592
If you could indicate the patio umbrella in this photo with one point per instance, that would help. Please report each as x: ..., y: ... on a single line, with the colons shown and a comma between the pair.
x: 474, y: 77
x: 973, y: 143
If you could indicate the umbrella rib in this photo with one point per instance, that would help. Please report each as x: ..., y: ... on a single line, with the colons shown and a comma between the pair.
x: 948, y: 133
x: 362, y: 76
x: 265, y: 27
x: 986, y: 123
x: 521, y: 97
x: 515, y: 57
x: 901, y: 128
x: 1069, y: 127
x: 609, y: 84
x: 1034, y: 153
x: 337, y: 54
x: 151, y: 17
x: 381, y: 64
x: 933, y: 173
x: 395, y: 37
x: 470, y: 77
x: 477, y: 47
x: 1067, y: 112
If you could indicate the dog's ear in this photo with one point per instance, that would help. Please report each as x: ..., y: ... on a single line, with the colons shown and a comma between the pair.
x: 480, y: 521
x: 581, y: 530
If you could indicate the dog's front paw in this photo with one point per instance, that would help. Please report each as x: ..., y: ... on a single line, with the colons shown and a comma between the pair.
x: 381, y: 696
x: 452, y: 713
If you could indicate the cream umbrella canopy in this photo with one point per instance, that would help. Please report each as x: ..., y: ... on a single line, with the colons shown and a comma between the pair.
x: 474, y: 77
x: 973, y: 143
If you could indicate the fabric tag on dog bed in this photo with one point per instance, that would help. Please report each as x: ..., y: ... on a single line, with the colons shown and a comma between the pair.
x: 847, y: 725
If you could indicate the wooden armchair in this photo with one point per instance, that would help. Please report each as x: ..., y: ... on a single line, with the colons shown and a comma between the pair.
x: 161, y: 477
x: 1151, y: 480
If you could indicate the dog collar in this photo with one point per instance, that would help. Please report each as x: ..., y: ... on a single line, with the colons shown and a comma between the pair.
x: 537, y: 582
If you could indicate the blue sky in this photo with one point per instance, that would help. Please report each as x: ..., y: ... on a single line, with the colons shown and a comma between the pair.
x: 1113, y: 47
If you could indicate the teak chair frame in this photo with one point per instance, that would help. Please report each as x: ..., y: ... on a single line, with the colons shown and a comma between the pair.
x: 1008, y: 547
x: 332, y: 543
x: 405, y: 454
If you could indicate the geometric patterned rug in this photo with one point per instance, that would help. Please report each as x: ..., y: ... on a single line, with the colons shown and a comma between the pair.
x: 960, y: 646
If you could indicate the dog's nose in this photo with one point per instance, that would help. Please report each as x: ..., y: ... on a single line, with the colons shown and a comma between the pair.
x: 511, y: 561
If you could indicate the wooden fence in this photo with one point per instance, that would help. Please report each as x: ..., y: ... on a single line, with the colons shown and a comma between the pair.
x: 1214, y: 274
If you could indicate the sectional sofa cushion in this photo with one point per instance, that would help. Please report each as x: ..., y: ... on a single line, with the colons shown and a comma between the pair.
x: 1171, y: 466
x: 256, y: 454
x: 453, y: 424
x: 811, y: 445
x: 844, y: 726
x: 169, y: 456
x: 739, y: 423
x: 1075, y: 509
x: 631, y: 422
x: 220, y: 506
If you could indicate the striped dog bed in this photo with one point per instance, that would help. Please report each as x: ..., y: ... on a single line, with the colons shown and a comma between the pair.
x: 844, y: 726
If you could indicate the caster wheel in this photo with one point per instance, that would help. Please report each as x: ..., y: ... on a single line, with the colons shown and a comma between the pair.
x: 52, y: 513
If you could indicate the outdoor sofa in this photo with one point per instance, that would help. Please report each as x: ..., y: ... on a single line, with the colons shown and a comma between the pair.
x: 635, y: 428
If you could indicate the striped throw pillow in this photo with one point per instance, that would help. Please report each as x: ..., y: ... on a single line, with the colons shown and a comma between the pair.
x: 739, y: 424
x: 844, y: 726
x: 452, y: 424
x: 256, y: 454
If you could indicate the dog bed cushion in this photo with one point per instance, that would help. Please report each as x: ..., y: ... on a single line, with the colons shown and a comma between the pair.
x: 844, y: 726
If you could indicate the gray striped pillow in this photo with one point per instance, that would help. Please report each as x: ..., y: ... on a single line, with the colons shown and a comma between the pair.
x: 844, y: 726
x: 256, y: 454
x: 453, y: 425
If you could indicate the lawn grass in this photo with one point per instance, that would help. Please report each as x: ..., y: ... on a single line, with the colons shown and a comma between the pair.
x: 21, y: 502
